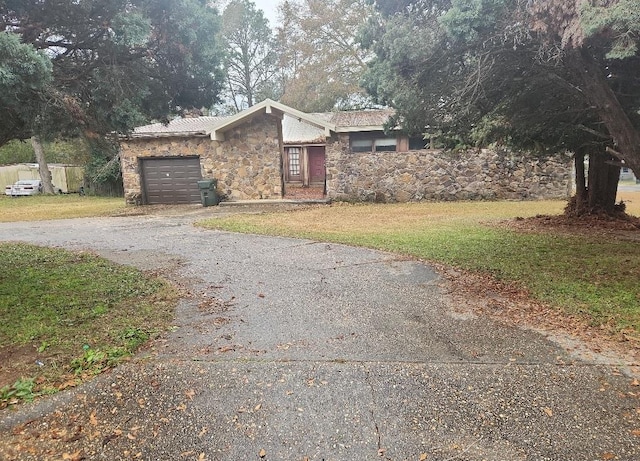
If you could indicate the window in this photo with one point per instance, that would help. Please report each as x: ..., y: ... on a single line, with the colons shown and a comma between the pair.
x: 417, y: 143
x: 385, y: 145
x: 373, y: 142
x: 361, y: 145
x: 294, y: 161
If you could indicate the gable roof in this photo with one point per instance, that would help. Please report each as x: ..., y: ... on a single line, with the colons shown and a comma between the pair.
x: 300, y: 132
x: 295, y: 131
x: 297, y: 127
x: 270, y: 107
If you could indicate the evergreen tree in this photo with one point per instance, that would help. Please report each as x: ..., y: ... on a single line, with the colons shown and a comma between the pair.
x: 542, y: 76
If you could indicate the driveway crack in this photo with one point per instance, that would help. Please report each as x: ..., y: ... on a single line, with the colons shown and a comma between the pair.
x: 372, y: 410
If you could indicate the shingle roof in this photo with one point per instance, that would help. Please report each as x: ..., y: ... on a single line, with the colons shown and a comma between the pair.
x: 294, y: 131
x: 361, y: 118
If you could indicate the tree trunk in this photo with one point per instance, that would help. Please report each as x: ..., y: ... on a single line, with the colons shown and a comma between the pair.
x: 581, y: 180
x: 599, y: 94
x: 598, y: 194
x: 603, y: 183
x: 43, y: 167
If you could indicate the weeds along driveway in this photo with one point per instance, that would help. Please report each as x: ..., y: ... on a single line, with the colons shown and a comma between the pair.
x: 291, y: 350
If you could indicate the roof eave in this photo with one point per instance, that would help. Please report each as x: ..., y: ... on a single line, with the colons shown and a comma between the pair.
x: 355, y: 129
x: 168, y: 134
x: 304, y: 142
x: 269, y: 107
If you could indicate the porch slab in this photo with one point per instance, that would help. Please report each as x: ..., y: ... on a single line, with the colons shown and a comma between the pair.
x: 275, y: 202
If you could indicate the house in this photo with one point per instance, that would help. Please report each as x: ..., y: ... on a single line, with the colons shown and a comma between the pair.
x: 627, y: 175
x: 272, y: 151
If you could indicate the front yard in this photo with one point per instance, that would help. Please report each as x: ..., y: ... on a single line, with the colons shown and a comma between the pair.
x: 589, y: 272
x: 43, y: 207
x: 66, y: 316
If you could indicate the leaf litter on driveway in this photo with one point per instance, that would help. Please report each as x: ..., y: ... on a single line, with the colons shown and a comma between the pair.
x: 413, y: 382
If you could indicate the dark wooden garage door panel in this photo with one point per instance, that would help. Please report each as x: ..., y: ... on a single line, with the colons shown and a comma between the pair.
x: 171, y: 180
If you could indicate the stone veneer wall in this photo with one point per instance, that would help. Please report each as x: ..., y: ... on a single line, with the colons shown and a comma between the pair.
x: 249, y: 163
x: 133, y: 149
x: 442, y: 175
x: 246, y: 164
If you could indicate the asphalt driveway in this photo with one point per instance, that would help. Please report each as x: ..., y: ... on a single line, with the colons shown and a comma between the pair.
x: 295, y: 350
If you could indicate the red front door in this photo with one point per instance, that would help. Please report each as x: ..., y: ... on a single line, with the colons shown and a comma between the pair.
x: 316, y: 164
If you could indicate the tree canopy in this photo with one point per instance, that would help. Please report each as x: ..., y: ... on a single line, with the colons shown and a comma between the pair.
x: 24, y: 75
x: 251, y: 57
x: 321, y: 58
x: 543, y: 76
x: 118, y: 63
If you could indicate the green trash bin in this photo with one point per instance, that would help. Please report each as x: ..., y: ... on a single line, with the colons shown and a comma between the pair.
x: 208, y: 193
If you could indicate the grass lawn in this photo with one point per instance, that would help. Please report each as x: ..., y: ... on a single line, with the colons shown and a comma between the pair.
x: 65, y: 316
x: 43, y: 207
x: 592, y: 276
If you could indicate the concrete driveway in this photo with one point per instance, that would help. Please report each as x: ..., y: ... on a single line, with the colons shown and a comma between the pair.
x: 295, y: 350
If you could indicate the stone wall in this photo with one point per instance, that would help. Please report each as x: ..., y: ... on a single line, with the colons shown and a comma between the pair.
x: 246, y: 164
x: 134, y: 149
x: 442, y: 175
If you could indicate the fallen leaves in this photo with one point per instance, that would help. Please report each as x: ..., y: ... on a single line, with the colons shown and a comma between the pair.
x: 548, y: 411
x: 423, y: 457
x: 69, y: 383
x: 77, y: 456
x: 262, y: 453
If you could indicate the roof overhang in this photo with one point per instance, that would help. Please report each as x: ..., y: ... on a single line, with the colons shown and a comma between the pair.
x: 355, y: 129
x: 167, y: 134
x: 268, y: 107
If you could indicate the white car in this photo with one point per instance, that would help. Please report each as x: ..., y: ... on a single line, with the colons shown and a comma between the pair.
x: 24, y: 187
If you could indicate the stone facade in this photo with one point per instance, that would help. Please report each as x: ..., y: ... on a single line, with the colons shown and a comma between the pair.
x: 247, y: 164
x: 442, y: 175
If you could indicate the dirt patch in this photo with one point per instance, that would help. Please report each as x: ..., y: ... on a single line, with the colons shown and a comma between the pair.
x: 15, y: 360
x: 623, y: 227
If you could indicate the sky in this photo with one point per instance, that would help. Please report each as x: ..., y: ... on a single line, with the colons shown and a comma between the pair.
x: 270, y: 8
